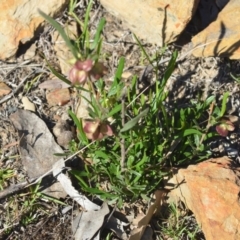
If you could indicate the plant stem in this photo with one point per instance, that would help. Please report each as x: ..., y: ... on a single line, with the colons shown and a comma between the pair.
x: 123, y: 140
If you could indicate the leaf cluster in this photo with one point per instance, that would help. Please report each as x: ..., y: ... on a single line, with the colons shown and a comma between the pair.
x: 152, y: 139
x: 150, y: 136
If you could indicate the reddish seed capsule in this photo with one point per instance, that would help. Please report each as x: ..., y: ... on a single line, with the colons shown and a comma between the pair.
x: 95, y: 130
x: 85, y: 65
x: 83, y: 69
x: 77, y: 77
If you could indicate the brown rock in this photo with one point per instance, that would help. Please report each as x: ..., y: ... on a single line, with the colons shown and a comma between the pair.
x: 4, y: 89
x: 28, y: 105
x: 37, y: 150
x: 58, y: 97
x: 54, y: 83
x: 63, y: 132
x: 20, y: 19
x: 157, y: 21
x: 221, y: 37
x: 211, y: 191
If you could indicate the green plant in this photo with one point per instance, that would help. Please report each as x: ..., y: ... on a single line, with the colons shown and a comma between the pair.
x: 27, y: 207
x: 217, y: 117
x: 5, y: 174
x: 178, y: 224
x: 236, y: 78
x: 135, y: 137
x: 147, y: 141
x: 85, y: 53
x: 132, y: 140
x: 29, y: 84
x: 30, y: 208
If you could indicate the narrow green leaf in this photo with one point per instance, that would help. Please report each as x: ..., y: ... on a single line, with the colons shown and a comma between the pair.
x: 79, y: 173
x: 170, y: 68
x: 99, y: 49
x: 92, y: 113
x: 166, y: 120
x: 81, y: 181
x: 116, y: 86
x: 209, y: 100
x: 72, y: 6
x: 224, y: 103
x: 61, y: 31
x: 115, y: 89
x: 119, y: 71
x: 61, y: 154
x: 236, y: 78
x: 188, y: 132
x: 134, y: 81
x: 53, y: 199
x: 79, y: 126
x: 75, y: 119
x: 101, y: 154
x: 143, y: 49
x: 140, y: 163
x: 134, y: 121
x: 116, y: 109
x: 94, y: 109
x: 98, y: 33
x: 85, y: 34
x: 100, y: 192
x: 142, y: 99
x: 58, y: 75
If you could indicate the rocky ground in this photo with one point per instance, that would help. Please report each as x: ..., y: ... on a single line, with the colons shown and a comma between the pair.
x: 192, y: 77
